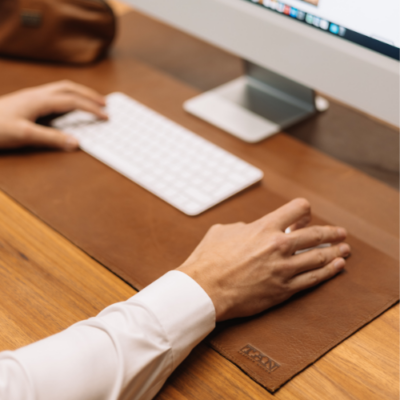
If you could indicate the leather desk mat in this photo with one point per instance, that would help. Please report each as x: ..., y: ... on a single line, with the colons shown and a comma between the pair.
x: 139, y: 237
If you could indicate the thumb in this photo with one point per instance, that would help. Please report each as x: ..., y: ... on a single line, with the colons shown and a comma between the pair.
x: 38, y: 135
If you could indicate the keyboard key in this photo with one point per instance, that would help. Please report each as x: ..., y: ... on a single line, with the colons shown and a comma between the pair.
x: 198, y: 195
x: 169, y: 192
x: 192, y: 208
x: 224, y: 190
x: 179, y: 200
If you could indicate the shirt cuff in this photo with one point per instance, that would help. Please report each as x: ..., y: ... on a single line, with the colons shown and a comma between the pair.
x: 183, y: 308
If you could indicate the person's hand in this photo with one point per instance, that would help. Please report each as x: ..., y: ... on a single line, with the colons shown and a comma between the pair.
x: 20, y: 110
x: 248, y: 268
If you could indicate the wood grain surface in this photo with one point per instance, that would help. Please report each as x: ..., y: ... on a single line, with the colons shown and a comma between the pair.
x: 47, y: 284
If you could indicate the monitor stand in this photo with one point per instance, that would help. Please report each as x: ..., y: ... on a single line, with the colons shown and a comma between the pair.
x: 256, y: 105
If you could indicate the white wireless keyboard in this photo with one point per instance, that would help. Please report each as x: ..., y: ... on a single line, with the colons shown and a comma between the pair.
x: 170, y: 161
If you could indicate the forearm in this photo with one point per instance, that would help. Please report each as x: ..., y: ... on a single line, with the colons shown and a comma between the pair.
x: 127, y: 351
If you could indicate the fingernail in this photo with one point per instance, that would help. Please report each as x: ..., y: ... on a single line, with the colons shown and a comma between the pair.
x: 71, y: 143
x: 339, y: 263
x: 344, y: 249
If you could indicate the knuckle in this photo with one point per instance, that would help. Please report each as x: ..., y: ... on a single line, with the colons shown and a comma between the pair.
x: 286, y: 289
x: 313, y: 279
x: 318, y: 234
x: 304, y: 204
x: 280, y: 243
x: 67, y: 100
x: 64, y: 85
x: 321, y: 259
x: 66, y: 82
x: 285, y: 270
x: 70, y: 101
x: 26, y: 132
x: 285, y: 286
x: 214, y: 231
x: 216, y: 227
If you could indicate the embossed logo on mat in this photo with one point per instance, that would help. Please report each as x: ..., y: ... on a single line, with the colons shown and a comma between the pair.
x: 259, y: 358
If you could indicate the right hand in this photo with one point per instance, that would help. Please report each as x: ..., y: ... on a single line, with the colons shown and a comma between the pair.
x: 248, y: 268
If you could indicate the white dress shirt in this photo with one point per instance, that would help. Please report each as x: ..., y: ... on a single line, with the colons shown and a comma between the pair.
x: 126, y: 352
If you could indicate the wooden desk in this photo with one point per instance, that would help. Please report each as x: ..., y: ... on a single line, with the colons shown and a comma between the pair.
x: 48, y: 284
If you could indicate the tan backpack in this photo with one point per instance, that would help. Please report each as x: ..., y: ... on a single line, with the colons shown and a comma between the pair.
x: 68, y: 31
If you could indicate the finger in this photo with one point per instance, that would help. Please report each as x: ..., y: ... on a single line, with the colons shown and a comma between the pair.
x: 68, y: 102
x: 301, y: 223
x: 317, y: 258
x: 316, y: 235
x: 37, y: 135
x: 67, y: 86
x: 316, y: 276
x: 288, y: 214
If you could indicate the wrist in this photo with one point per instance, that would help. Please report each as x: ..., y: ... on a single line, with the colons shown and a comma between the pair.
x: 210, y: 285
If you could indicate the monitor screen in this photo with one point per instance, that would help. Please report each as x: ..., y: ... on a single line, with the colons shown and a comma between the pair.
x: 372, y: 24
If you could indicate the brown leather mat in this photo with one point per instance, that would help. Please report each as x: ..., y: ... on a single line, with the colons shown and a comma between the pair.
x: 140, y: 237
x: 280, y: 343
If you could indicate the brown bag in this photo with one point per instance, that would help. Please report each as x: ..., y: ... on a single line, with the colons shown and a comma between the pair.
x: 68, y: 31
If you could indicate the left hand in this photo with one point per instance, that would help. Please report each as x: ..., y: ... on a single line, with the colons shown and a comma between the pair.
x: 20, y: 110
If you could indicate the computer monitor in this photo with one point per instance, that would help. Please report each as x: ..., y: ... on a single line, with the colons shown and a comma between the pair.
x: 345, y: 49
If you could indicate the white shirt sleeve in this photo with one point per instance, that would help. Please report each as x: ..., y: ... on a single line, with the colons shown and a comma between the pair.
x: 126, y: 352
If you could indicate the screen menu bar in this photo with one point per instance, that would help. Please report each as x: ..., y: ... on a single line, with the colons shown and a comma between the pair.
x: 330, y: 27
